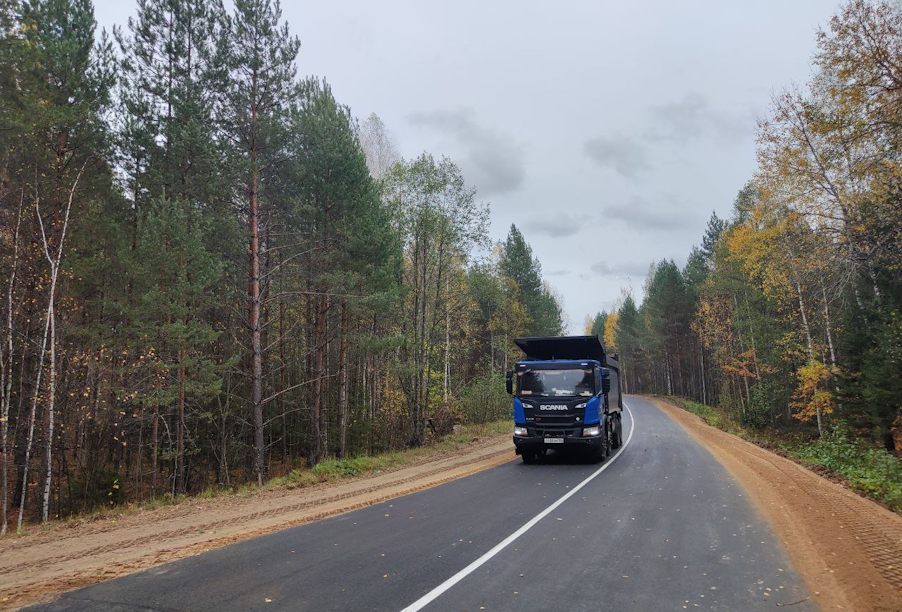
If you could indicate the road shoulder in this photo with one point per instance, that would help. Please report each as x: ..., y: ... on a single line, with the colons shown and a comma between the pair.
x: 847, y: 549
x: 41, y: 565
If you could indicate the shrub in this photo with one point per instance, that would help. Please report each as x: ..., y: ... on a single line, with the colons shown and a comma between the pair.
x: 874, y: 471
x: 485, y: 399
x: 757, y: 414
x: 98, y: 488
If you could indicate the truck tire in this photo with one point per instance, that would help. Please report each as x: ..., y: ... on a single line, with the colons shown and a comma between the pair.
x: 609, y: 439
x: 604, y: 449
x: 618, y: 433
x: 600, y: 453
x: 528, y: 457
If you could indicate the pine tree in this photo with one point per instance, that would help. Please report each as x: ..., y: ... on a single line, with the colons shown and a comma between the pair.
x: 598, y: 323
x: 627, y: 339
x: 348, y: 234
x: 261, y: 89
x: 518, y: 263
x: 172, y: 77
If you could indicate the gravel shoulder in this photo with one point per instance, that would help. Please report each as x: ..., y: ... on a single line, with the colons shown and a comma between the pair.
x: 62, y: 558
x: 848, y: 549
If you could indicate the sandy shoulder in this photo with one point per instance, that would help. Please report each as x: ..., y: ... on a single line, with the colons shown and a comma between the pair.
x: 848, y: 549
x: 59, y: 559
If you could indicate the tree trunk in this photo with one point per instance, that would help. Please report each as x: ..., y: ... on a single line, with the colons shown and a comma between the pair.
x: 6, y: 380
x: 820, y: 426
x: 343, y: 379
x: 51, y: 398
x: 282, y: 367
x: 139, y: 464
x: 254, y: 321
x: 31, y: 421
x: 447, y: 342
x: 828, y: 325
x: 180, y: 484
x: 49, y: 330
x: 701, y: 361
x: 319, y: 367
x: 155, y: 448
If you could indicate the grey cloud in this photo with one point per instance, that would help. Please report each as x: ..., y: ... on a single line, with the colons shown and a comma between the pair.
x: 692, y: 118
x: 667, y: 213
x: 493, y: 161
x: 620, y: 270
x: 558, y: 272
x: 621, y: 153
x: 556, y: 225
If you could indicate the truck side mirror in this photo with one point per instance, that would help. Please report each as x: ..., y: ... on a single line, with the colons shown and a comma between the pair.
x: 510, y: 382
x: 605, y: 380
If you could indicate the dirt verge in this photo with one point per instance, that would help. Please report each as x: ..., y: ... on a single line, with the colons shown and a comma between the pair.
x: 38, y: 566
x: 847, y: 548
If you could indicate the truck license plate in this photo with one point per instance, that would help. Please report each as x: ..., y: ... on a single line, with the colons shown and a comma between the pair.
x: 554, y: 440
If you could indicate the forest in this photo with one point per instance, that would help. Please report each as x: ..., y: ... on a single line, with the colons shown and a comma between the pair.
x: 213, y: 271
x: 789, y: 313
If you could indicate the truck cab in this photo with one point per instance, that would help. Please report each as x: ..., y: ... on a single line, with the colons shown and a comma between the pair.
x: 566, y: 395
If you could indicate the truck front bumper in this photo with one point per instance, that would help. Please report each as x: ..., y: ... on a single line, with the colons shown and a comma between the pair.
x: 572, y: 439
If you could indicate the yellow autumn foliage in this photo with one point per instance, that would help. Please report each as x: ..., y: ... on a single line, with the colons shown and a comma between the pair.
x: 610, y: 331
x: 811, y: 396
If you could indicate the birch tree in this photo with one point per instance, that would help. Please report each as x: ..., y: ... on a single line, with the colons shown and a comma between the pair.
x: 440, y: 221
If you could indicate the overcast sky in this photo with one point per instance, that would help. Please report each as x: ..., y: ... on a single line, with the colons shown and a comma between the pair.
x: 607, y: 131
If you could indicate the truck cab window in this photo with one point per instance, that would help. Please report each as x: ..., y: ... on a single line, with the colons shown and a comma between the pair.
x: 556, y: 383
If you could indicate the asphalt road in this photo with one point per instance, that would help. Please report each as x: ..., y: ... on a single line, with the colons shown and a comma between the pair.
x: 661, y: 527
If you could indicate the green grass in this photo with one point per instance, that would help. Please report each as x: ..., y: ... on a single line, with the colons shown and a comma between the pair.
x: 874, y: 471
x: 337, y: 469
x: 712, y: 416
x: 871, y: 470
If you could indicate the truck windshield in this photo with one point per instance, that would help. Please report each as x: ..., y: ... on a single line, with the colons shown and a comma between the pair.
x: 556, y: 383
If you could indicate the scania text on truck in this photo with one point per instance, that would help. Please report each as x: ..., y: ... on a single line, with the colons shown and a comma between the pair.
x: 566, y: 395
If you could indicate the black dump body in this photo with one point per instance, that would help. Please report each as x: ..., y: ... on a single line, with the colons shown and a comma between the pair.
x: 563, y: 347
x: 575, y: 347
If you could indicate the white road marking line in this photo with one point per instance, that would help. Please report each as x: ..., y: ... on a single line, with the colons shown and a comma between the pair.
x: 450, y: 582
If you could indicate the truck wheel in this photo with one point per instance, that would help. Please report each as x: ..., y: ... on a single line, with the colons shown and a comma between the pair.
x: 529, y: 457
x: 604, y: 449
x: 618, y: 434
x: 599, y: 454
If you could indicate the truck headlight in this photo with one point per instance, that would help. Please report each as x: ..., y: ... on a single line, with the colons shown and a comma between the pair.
x: 520, y: 431
x: 588, y: 432
x: 578, y: 406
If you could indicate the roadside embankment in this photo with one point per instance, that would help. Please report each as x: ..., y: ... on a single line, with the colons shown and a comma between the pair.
x: 847, y: 548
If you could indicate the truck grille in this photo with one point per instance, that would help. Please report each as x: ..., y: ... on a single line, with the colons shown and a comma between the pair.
x: 559, y: 421
x: 554, y: 431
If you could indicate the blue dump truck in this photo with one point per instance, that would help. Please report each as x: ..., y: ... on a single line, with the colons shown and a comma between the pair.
x: 566, y: 396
